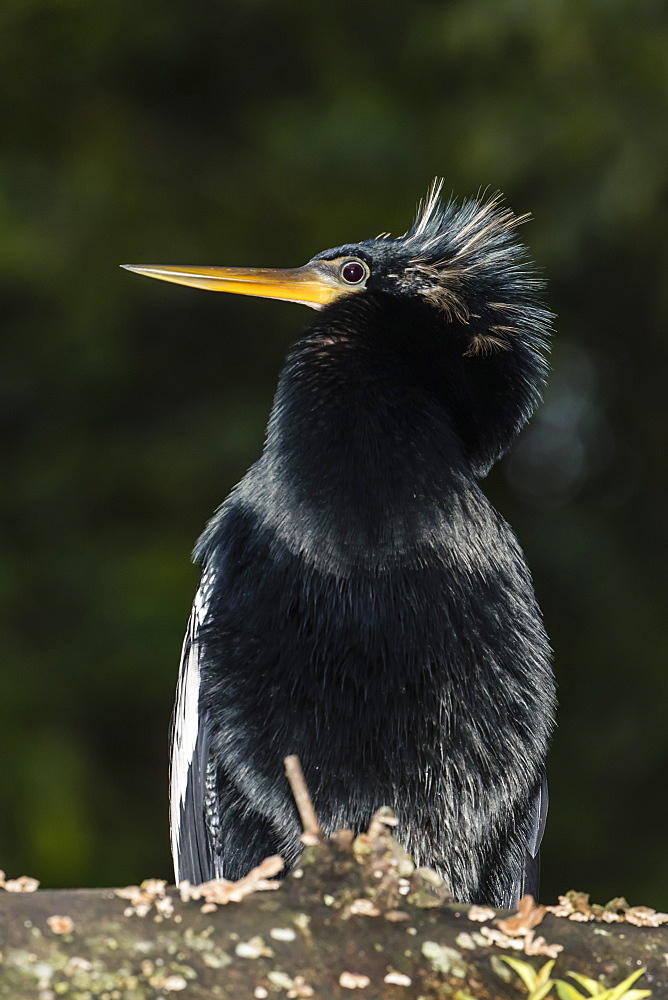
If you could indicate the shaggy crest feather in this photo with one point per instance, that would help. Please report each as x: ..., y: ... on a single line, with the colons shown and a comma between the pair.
x: 465, y: 259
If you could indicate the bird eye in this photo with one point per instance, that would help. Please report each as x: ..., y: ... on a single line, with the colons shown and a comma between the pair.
x: 353, y: 272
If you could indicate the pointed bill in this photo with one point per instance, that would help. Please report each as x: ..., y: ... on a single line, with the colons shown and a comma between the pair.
x: 314, y: 285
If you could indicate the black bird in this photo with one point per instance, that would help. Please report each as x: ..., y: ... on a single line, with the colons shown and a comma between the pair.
x: 362, y: 603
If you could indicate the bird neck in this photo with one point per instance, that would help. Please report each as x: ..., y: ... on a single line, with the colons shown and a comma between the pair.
x: 361, y: 456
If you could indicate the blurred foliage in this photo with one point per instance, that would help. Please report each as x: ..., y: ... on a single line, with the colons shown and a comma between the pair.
x: 258, y: 133
x: 541, y: 987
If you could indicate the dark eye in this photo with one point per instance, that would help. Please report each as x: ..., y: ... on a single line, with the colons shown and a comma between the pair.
x: 353, y: 272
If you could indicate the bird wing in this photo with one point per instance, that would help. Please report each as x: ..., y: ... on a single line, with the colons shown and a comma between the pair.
x: 189, y: 756
x: 531, y: 879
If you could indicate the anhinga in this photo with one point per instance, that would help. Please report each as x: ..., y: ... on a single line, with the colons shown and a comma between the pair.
x: 362, y: 603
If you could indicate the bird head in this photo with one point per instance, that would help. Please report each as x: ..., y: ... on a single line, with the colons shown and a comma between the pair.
x: 457, y: 286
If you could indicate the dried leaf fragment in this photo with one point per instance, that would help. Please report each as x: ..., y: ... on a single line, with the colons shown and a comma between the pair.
x: 221, y: 891
x: 481, y: 913
x: 500, y: 939
x: 645, y: 916
x: 353, y: 981
x: 397, y: 979
x: 576, y: 906
x: 169, y: 984
x: 24, y: 883
x: 539, y: 946
x: 77, y: 964
x: 300, y: 988
x: 364, y: 907
x: 59, y: 924
x: 528, y: 915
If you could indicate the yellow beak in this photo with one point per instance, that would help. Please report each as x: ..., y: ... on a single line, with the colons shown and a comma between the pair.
x: 315, y: 285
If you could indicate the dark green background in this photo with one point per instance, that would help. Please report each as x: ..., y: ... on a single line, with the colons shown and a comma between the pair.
x: 258, y: 133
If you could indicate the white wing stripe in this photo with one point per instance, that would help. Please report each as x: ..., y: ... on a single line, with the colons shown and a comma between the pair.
x: 186, y: 714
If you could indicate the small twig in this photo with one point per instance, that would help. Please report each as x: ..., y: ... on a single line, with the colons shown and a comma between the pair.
x: 307, y: 814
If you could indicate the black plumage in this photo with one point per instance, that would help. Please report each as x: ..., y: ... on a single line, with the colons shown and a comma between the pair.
x: 362, y: 604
